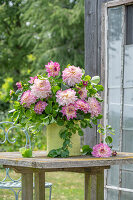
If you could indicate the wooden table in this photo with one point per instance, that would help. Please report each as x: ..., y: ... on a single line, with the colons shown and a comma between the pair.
x: 93, y: 168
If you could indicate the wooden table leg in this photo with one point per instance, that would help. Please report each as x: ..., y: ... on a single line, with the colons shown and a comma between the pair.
x: 94, y: 186
x: 27, y: 186
x: 40, y: 186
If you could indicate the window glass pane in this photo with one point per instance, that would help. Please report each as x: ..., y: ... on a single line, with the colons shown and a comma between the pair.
x: 114, y: 45
x: 127, y: 167
x: 114, y: 121
x: 127, y: 179
x: 112, y: 195
x: 128, y: 96
x: 126, y: 195
x: 128, y: 117
x: 114, y: 96
x: 129, y: 24
x: 113, y: 176
x: 128, y: 67
x: 127, y: 141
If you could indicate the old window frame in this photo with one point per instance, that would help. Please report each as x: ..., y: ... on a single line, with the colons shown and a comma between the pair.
x: 104, y: 74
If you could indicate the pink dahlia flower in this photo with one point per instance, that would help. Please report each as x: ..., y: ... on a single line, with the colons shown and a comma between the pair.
x: 83, y: 93
x: 52, y: 68
x: 72, y: 75
x: 40, y: 107
x: 95, y: 107
x: 69, y: 111
x: 66, y: 97
x: 82, y: 105
x: 32, y: 79
x: 27, y: 99
x: 101, y: 150
x: 41, y: 88
x: 19, y: 85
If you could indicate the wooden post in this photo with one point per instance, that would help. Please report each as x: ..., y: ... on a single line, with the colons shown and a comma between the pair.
x: 39, y: 186
x: 94, y: 186
x: 27, y: 186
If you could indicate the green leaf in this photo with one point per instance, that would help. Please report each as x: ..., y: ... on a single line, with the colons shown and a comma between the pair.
x: 95, y: 79
x: 16, y: 105
x: 53, y: 153
x: 15, y: 114
x: 63, y: 133
x: 99, y: 116
x: 26, y: 153
x: 87, y: 150
x: 80, y: 117
x: 55, y: 89
x: 108, y: 139
x: 60, y: 122
x: 48, y: 109
x: 87, y: 78
x: 64, y: 153
x: 94, y: 121
x: 80, y: 132
x: 64, y: 87
x: 83, y: 124
x: 99, y: 87
x: 28, y: 113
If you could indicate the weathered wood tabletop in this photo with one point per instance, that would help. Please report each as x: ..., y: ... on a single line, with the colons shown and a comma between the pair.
x: 39, y: 164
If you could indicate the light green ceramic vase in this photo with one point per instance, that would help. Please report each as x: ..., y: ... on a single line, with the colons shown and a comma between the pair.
x: 54, y: 141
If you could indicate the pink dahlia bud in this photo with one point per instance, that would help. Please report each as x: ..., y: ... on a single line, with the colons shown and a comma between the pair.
x: 95, y: 107
x: 72, y: 75
x: 85, y: 83
x: 53, y: 68
x: 66, y: 97
x: 82, y: 105
x: 11, y: 92
x: 27, y: 99
x: 40, y: 107
x: 19, y: 85
x: 69, y: 111
x: 101, y: 150
x: 114, y: 153
x: 32, y: 79
x: 41, y: 88
x: 83, y: 93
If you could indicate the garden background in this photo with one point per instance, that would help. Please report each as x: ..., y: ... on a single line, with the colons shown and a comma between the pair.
x: 31, y: 34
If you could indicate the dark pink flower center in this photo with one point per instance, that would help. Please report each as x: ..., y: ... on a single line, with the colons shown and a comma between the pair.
x: 102, y: 150
x: 55, y: 69
x: 85, y: 83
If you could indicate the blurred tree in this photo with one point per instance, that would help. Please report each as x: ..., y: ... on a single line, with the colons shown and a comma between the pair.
x: 13, y: 56
x: 57, y: 30
x: 35, y: 32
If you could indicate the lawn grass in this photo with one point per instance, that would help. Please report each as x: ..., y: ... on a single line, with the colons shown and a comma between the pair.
x: 66, y: 186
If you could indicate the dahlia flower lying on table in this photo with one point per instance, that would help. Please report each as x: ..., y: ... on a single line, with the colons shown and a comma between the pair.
x: 69, y: 99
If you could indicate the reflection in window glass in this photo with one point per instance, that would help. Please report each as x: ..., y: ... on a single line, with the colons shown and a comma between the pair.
x: 113, y: 180
x: 129, y: 24
x: 128, y: 66
x: 112, y: 195
x: 127, y: 141
x: 126, y: 195
x: 114, y: 45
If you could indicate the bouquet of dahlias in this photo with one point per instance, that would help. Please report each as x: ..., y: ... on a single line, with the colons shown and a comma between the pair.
x: 58, y: 97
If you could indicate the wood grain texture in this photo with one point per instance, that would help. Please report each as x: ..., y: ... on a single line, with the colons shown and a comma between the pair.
x: 119, y: 2
x: 39, y: 186
x: 90, y: 170
x: 94, y: 186
x: 93, y: 13
x: 40, y: 161
x: 27, y: 186
x: 91, y: 51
